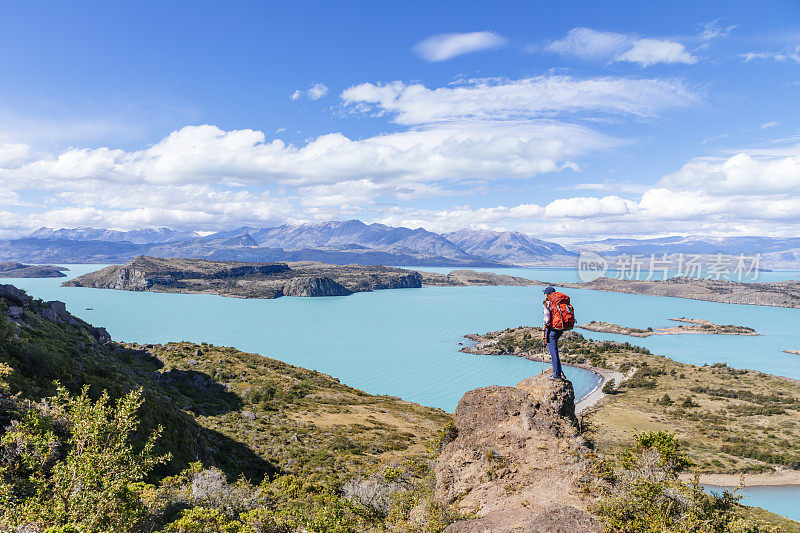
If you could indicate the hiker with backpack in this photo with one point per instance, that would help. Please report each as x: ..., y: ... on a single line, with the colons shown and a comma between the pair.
x: 559, y: 316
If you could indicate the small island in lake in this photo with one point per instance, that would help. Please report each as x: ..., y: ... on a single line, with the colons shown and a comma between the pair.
x: 697, y: 326
x: 11, y: 269
x: 272, y: 280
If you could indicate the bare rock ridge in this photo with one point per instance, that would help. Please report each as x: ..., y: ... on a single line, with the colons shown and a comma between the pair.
x: 516, y: 460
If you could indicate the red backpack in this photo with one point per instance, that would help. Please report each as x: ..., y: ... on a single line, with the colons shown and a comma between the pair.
x: 562, y: 314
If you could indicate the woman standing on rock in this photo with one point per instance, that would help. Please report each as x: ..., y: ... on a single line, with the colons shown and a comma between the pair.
x: 559, y: 316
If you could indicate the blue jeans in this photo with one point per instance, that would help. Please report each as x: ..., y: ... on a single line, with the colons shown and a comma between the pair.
x: 552, y: 345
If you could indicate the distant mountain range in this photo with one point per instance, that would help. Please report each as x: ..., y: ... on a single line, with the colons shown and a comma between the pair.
x: 138, y: 236
x: 775, y: 252
x: 337, y: 242
x: 353, y: 241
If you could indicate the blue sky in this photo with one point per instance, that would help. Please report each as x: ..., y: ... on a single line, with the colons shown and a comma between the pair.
x: 563, y: 120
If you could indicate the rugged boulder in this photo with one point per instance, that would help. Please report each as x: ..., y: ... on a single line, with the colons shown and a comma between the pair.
x: 516, y: 454
x: 14, y: 295
x: 557, y: 394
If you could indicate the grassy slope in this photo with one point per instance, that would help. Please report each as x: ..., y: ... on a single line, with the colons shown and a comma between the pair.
x: 301, y: 421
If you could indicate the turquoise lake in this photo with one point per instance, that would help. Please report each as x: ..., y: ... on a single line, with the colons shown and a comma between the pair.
x: 780, y: 500
x: 405, y: 342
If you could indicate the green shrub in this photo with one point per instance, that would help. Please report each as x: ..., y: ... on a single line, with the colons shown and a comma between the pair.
x: 648, y: 497
x: 69, y: 462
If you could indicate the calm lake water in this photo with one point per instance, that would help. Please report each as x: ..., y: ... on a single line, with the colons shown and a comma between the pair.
x: 405, y: 342
x: 397, y: 342
x: 781, y: 500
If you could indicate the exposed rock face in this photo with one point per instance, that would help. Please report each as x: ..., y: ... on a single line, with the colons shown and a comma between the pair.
x: 100, y: 334
x: 14, y: 295
x: 557, y: 394
x: 314, y: 287
x: 516, y: 455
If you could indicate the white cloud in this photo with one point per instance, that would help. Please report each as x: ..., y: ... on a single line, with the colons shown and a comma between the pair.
x: 715, y: 30
x: 11, y: 154
x: 449, y: 45
x: 587, y: 43
x: 745, y: 193
x: 752, y: 173
x: 495, y: 99
x: 590, y: 44
x: 770, y: 124
x: 780, y: 56
x: 315, y: 92
x: 648, y: 52
x: 207, y: 154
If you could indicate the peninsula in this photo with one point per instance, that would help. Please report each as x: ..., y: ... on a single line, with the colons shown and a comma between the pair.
x: 11, y: 269
x: 730, y: 421
x: 697, y: 326
x: 271, y: 280
x: 774, y: 294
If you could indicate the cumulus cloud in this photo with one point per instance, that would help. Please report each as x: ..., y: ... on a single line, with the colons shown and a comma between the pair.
x: 746, y: 193
x: 755, y: 173
x: 449, y: 45
x: 200, y: 175
x: 589, y: 44
x: 495, y: 99
x: 11, y: 154
x: 207, y: 154
x: 315, y: 92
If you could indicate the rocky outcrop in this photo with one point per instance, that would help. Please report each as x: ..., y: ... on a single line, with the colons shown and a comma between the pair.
x: 516, y: 455
x: 408, y: 281
x: 314, y: 287
x: 557, y: 395
x: 14, y: 295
